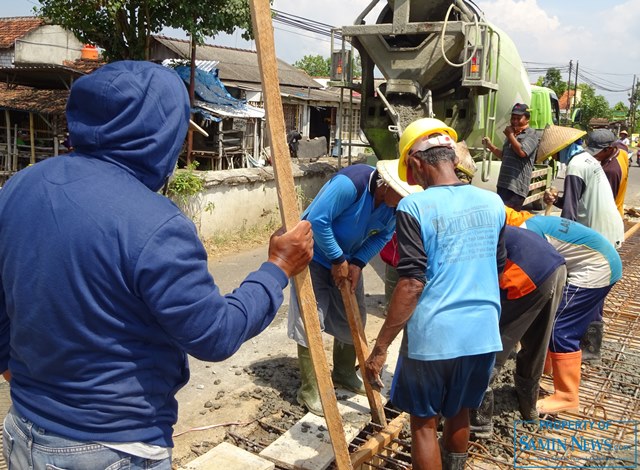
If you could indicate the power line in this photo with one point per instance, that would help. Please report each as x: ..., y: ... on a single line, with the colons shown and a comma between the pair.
x: 304, y: 24
x: 301, y: 34
x: 588, y: 76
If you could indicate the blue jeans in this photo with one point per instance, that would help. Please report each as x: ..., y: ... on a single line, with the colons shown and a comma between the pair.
x: 27, y: 446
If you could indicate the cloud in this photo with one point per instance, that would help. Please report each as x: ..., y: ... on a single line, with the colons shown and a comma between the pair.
x: 602, y: 36
x: 621, y: 29
x: 538, y: 35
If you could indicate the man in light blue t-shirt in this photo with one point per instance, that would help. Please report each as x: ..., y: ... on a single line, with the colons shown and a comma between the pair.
x: 447, y: 300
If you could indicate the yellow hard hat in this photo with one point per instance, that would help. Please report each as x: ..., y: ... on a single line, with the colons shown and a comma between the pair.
x: 420, y: 128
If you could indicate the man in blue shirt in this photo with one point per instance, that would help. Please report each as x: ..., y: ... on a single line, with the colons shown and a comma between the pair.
x: 353, y: 217
x: 447, y: 298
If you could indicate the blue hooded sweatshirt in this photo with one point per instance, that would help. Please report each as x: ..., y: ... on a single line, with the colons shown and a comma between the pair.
x: 104, y: 286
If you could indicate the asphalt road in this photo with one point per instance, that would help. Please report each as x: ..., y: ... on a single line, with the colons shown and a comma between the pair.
x: 632, y: 198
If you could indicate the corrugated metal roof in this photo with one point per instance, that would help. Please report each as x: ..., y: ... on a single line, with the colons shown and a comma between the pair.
x: 206, y: 65
x: 245, y: 112
x: 13, y: 28
x: 48, y: 76
x: 239, y: 65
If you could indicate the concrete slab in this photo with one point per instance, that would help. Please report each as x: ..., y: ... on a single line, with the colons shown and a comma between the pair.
x: 229, y: 457
x: 307, y: 444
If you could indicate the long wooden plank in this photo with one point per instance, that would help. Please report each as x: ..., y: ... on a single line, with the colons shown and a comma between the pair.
x: 632, y: 230
x: 362, y: 351
x: 263, y: 31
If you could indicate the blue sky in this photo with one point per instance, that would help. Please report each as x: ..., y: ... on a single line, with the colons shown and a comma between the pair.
x: 602, y: 35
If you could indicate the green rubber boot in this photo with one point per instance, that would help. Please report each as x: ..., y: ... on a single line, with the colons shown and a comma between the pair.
x: 344, y: 370
x: 308, y: 393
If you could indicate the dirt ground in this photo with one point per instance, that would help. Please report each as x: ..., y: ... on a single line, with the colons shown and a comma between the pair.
x: 253, y: 393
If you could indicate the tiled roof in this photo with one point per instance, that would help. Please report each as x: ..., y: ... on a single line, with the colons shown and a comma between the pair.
x: 84, y: 65
x: 33, y: 100
x: 16, y: 27
x: 238, y: 65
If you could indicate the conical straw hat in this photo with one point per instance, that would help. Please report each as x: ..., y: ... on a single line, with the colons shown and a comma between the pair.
x: 556, y: 138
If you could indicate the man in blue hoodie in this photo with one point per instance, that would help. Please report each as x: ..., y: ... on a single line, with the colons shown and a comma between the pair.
x: 104, y: 286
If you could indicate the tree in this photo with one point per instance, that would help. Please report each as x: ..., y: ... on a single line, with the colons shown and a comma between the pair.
x: 591, y: 106
x: 620, y: 107
x: 314, y: 65
x: 553, y: 79
x: 123, y: 28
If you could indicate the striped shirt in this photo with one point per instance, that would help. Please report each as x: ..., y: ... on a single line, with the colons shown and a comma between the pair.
x: 515, y: 171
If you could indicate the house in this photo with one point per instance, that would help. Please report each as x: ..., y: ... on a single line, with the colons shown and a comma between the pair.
x: 38, y: 64
x: 569, y: 100
x: 307, y: 106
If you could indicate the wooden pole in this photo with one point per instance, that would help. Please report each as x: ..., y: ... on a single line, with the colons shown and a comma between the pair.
x: 56, y: 143
x: 263, y: 30
x: 7, y: 119
x: 32, y: 139
x: 362, y: 351
x: 15, y: 148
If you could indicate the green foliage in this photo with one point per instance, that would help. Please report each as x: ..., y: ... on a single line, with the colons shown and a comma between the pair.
x: 356, y: 67
x: 314, y: 65
x: 123, y: 28
x: 620, y: 107
x: 553, y: 79
x: 185, y: 185
x: 591, y: 106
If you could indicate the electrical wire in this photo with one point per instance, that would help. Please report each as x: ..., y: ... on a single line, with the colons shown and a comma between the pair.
x: 305, y: 24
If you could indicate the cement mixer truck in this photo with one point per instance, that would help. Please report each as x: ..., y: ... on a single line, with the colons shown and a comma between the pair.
x: 441, y: 58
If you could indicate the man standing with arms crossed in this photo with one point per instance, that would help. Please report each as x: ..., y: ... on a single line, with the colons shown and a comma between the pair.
x: 447, y: 300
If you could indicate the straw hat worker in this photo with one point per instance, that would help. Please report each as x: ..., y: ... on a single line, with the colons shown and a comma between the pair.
x: 587, y: 196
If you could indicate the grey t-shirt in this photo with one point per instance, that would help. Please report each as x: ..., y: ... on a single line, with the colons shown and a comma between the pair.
x: 515, y: 171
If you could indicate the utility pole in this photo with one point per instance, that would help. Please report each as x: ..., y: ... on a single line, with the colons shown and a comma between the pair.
x: 566, y: 117
x: 632, y: 105
x: 575, y: 87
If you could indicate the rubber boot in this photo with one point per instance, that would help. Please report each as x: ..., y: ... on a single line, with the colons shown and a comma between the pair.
x: 344, y: 368
x: 481, y: 420
x: 566, y: 382
x: 527, y: 391
x: 452, y: 460
x: 591, y: 343
x: 308, y: 393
